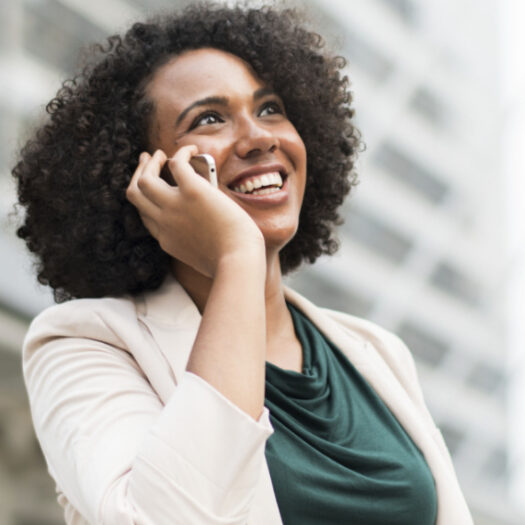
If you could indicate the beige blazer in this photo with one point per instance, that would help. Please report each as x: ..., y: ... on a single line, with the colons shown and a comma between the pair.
x: 131, y: 437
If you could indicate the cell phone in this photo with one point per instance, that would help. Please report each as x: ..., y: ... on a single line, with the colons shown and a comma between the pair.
x: 205, y: 165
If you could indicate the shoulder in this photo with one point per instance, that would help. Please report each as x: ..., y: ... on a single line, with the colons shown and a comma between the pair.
x: 387, y: 343
x: 104, y: 319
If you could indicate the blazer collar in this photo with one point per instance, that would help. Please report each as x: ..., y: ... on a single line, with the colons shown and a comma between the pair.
x: 172, y: 319
x: 170, y: 305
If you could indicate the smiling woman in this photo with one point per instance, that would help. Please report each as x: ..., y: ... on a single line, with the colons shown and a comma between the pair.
x: 181, y: 382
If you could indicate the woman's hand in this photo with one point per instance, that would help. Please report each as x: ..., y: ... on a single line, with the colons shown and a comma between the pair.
x: 193, y: 221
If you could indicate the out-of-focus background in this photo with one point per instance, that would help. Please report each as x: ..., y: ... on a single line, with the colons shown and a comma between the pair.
x: 433, y: 245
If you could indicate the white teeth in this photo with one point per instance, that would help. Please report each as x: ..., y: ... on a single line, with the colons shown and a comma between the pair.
x: 265, y: 191
x: 274, y: 180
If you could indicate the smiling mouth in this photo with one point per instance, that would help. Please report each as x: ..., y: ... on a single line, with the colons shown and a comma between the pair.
x: 264, y: 184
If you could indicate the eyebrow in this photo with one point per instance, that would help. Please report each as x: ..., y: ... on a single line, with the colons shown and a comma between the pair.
x: 220, y: 101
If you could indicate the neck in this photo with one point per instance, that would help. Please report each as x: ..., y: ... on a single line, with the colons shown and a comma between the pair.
x: 198, y: 287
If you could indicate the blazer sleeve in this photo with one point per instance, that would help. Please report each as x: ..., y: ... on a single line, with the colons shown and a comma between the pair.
x: 116, y: 452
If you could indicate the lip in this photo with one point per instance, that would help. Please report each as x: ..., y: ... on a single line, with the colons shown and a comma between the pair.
x: 259, y: 170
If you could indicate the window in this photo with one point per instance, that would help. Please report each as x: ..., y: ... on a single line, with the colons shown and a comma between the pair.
x: 452, y: 281
x: 367, y: 57
x: 10, y: 371
x: 427, y: 105
x: 495, y: 466
x: 485, y: 377
x: 377, y: 236
x: 150, y: 6
x: 14, y: 131
x: 425, y: 345
x: 5, y: 138
x: 54, y: 33
x: 331, y: 295
x: 411, y: 173
x: 453, y: 437
x: 405, y: 9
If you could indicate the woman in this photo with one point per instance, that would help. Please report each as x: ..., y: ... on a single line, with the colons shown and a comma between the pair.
x: 184, y: 383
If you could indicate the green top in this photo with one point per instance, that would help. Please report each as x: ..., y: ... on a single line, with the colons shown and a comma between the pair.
x: 338, y: 456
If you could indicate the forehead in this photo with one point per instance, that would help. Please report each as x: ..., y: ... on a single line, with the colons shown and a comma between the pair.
x: 200, y: 73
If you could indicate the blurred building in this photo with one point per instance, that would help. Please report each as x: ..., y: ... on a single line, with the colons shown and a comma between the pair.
x: 422, y: 239
x: 513, y: 136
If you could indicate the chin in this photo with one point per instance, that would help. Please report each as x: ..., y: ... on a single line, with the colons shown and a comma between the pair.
x: 276, y: 240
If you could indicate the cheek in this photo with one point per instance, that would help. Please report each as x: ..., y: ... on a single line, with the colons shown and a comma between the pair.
x: 214, y: 146
x: 293, y: 143
x: 296, y: 151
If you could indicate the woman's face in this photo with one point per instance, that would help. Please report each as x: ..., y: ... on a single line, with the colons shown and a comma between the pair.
x: 213, y: 99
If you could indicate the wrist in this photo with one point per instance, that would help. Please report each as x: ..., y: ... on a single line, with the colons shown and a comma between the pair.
x: 251, y: 261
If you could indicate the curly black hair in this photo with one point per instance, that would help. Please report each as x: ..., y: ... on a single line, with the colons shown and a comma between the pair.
x: 72, y: 175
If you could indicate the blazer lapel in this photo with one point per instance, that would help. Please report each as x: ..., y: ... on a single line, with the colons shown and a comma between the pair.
x: 173, y: 320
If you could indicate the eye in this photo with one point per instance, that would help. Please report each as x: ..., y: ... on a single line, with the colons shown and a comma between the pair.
x: 271, y: 108
x: 206, y: 119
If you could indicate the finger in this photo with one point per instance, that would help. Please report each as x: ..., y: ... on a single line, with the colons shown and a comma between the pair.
x: 132, y: 186
x: 135, y: 195
x: 151, y: 225
x: 180, y: 167
x: 151, y: 185
x: 144, y: 205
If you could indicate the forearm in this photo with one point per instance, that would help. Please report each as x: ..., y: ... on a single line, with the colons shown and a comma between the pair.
x: 230, y: 348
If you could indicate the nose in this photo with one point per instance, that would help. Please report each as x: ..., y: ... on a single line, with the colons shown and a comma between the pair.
x: 254, y: 138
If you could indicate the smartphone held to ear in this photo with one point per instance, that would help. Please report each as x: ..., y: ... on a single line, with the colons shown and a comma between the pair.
x: 203, y: 164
